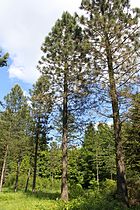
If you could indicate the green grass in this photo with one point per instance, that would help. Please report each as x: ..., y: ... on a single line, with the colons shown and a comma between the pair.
x: 22, y: 201
x: 85, y: 200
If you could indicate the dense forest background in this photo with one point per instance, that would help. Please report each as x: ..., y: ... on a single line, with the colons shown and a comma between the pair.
x: 79, y: 130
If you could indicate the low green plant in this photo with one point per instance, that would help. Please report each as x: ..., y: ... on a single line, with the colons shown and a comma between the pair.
x: 76, y: 190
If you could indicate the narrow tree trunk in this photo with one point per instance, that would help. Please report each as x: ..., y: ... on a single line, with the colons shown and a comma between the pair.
x: 120, y: 166
x: 64, y: 185
x: 52, y: 180
x: 17, y: 173
x: 27, y: 181
x: 97, y: 165
x: 111, y: 177
x: 35, y: 157
x: 3, y: 168
x: 97, y: 172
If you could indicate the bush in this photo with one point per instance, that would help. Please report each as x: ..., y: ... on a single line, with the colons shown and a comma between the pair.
x: 109, y: 186
x: 76, y: 190
x: 94, y: 184
x: 9, y: 182
x: 134, y: 191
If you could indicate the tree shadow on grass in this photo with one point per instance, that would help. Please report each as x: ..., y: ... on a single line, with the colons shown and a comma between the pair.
x: 44, y: 195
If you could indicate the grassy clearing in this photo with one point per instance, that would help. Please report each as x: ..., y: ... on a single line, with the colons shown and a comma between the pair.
x: 86, y: 200
x: 22, y: 201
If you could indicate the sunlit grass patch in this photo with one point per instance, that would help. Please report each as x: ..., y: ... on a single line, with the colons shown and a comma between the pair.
x: 22, y: 201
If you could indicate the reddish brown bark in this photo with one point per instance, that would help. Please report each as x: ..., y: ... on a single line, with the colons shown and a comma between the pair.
x: 64, y: 185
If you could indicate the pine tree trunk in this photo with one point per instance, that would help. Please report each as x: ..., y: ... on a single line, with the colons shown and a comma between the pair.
x: 120, y: 165
x: 17, y: 173
x: 35, y: 157
x: 3, y: 168
x: 27, y: 181
x: 64, y: 185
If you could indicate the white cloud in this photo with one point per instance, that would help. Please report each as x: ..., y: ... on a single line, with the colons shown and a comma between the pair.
x: 16, y: 72
x: 24, y: 24
x: 135, y: 3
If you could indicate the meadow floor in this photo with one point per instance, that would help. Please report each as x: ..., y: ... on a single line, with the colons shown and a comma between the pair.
x: 50, y: 201
x: 28, y: 201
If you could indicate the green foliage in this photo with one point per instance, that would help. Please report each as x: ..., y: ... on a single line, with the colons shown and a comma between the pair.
x: 49, y: 162
x: 75, y: 175
x: 131, y: 134
x: 45, y: 185
x: 97, y: 156
x: 59, y: 63
x: 93, y: 200
x: 106, y: 151
x: 132, y: 129
x: 109, y: 185
x: 134, y: 188
x: 14, y: 128
x: 76, y: 191
x: 3, y: 59
x: 93, y: 184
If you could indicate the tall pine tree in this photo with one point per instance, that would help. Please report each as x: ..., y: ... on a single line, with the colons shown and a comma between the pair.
x: 113, y: 33
x: 59, y: 63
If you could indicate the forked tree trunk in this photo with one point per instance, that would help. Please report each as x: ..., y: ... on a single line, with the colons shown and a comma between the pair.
x: 3, y: 168
x: 64, y: 185
x: 36, y: 155
x: 120, y: 165
x: 17, y: 173
x: 27, y: 181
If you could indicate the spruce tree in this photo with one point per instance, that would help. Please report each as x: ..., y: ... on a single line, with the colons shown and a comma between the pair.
x: 132, y: 143
x: 89, y: 163
x: 105, y: 137
x: 97, y: 154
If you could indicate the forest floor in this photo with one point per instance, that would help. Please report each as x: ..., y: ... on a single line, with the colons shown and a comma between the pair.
x: 50, y: 201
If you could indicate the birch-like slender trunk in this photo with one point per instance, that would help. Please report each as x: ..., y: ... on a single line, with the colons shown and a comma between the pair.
x: 27, y: 181
x: 36, y: 156
x: 97, y: 170
x: 3, y: 167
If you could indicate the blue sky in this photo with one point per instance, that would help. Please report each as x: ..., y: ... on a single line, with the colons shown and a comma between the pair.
x: 24, y: 25
x: 7, y: 83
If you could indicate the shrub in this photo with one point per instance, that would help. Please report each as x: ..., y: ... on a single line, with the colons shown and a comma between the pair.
x: 76, y: 190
